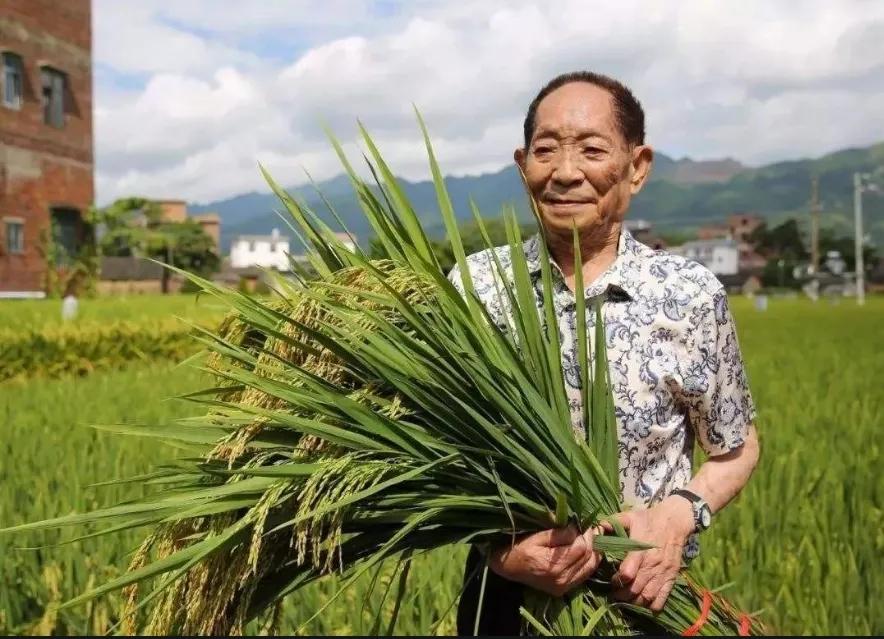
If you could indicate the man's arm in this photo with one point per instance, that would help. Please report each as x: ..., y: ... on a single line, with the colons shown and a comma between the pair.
x: 646, y: 578
x: 720, y: 410
x: 721, y: 478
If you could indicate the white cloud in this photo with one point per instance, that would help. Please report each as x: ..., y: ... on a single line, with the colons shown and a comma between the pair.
x: 758, y: 81
x: 130, y: 39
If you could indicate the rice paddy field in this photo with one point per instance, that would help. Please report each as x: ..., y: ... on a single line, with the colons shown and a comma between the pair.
x: 34, y: 314
x: 803, y: 543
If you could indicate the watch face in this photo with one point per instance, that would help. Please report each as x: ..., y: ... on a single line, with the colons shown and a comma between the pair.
x: 705, y: 517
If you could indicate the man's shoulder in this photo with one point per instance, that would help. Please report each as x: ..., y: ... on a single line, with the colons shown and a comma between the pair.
x: 483, y: 264
x: 671, y: 273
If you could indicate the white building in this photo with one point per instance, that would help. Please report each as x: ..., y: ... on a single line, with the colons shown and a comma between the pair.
x: 266, y: 251
x: 270, y: 251
x: 835, y: 263
x: 721, y: 256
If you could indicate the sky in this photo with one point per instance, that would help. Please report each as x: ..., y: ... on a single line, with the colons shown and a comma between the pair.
x: 191, y: 95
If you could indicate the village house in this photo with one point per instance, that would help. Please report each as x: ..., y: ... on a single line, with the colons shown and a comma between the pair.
x: 720, y: 256
x: 738, y: 227
x: 264, y: 251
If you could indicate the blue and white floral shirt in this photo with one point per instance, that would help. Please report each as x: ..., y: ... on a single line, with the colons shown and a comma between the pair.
x: 675, y: 365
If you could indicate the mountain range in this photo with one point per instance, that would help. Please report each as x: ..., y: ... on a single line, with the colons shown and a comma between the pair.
x: 679, y: 196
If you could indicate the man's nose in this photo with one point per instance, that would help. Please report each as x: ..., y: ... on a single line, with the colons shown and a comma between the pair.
x: 566, y: 170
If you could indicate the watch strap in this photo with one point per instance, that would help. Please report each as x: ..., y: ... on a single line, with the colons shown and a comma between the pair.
x: 697, y: 505
x: 694, y: 498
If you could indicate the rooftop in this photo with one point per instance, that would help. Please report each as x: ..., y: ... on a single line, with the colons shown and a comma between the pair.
x: 261, y: 238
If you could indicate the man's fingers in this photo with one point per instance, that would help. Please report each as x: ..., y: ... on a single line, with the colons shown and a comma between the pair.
x: 625, y: 519
x: 565, y: 557
x: 628, y: 569
x: 575, y: 563
x: 578, y: 572
x: 590, y: 534
x: 647, y: 571
x: 651, y: 589
x: 625, y: 577
x: 586, y: 570
x: 662, y: 595
x: 554, y: 537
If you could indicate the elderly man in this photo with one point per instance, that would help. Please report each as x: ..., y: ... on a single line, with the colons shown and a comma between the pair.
x: 675, y: 365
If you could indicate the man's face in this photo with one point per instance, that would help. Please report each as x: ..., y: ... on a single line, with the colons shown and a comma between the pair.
x: 578, y: 165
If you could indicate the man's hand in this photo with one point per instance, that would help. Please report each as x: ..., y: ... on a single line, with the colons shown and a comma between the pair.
x: 554, y: 561
x: 646, y: 578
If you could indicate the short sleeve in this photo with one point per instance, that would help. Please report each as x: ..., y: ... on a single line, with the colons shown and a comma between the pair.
x: 720, y: 406
x: 455, y: 278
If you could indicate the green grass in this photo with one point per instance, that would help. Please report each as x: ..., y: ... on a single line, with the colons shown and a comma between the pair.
x: 48, y: 459
x: 38, y: 313
x: 803, y: 541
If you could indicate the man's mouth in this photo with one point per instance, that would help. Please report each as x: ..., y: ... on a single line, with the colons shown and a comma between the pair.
x: 565, y: 201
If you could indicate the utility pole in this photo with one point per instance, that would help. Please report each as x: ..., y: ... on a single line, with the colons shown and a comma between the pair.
x: 814, y: 226
x: 858, y: 230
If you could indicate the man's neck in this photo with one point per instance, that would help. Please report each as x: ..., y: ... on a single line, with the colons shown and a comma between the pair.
x: 597, y: 250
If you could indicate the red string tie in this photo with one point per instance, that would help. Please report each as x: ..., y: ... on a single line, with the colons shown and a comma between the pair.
x: 744, y: 625
x: 694, y: 628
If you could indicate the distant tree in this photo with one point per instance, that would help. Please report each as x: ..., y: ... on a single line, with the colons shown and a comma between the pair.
x: 185, y: 245
x: 782, y: 241
x: 846, y: 246
x: 123, y: 227
x: 779, y: 272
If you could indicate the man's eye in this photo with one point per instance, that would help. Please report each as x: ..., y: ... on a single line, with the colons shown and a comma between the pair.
x: 543, y: 150
x: 593, y: 151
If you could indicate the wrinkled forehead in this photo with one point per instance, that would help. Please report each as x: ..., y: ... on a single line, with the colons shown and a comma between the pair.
x: 577, y: 110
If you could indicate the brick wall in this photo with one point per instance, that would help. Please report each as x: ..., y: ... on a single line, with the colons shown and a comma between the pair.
x: 211, y: 224
x: 41, y: 166
x: 173, y: 210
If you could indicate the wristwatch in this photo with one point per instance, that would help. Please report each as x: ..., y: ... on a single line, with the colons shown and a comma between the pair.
x: 702, y: 512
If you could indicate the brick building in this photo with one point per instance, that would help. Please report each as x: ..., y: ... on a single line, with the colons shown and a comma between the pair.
x: 46, y: 165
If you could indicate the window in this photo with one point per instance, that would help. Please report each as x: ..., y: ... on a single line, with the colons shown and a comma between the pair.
x: 53, y: 96
x: 15, y: 236
x: 66, y: 233
x: 12, y: 80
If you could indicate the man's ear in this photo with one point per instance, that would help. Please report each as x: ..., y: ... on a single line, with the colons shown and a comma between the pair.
x: 642, y: 159
x: 519, y: 157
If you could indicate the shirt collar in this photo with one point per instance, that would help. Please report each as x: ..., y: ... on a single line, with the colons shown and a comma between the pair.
x: 616, y: 279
